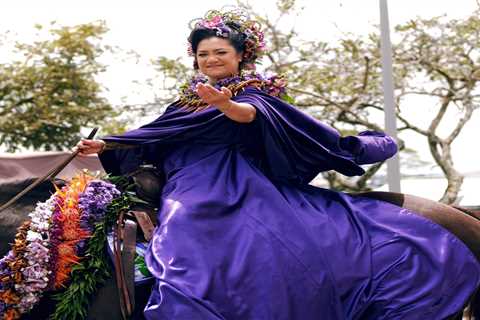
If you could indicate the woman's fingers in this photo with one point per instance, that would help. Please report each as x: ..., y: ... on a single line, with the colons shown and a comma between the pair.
x: 86, y: 147
x: 87, y: 142
x: 227, y: 92
x: 207, y: 89
x: 201, y: 88
x: 80, y: 147
x: 211, y: 89
x: 211, y: 95
x: 205, y: 92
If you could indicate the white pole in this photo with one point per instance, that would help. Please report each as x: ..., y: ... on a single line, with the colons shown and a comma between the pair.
x: 393, y: 164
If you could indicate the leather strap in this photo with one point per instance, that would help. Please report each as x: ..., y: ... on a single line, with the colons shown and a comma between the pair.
x: 128, y: 260
x: 117, y: 264
x: 145, y: 223
x: 124, y: 261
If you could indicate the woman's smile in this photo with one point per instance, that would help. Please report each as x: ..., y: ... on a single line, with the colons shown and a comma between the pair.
x: 217, y: 58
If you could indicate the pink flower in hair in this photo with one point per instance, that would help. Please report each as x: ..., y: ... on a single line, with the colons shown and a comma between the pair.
x: 214, y: 22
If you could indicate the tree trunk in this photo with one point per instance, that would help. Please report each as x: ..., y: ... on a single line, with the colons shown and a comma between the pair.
x: 442, y: 155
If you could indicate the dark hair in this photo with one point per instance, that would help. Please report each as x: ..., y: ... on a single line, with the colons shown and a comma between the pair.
x: 236, y: 39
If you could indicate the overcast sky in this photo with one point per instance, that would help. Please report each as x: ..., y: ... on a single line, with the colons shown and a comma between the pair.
x: 155, y: 28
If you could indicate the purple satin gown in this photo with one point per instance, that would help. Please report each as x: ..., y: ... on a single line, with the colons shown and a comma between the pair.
x: 242, y: 235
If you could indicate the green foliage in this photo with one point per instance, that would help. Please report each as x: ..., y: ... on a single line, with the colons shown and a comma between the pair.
x: 49, y: 95
x: 94, y: 269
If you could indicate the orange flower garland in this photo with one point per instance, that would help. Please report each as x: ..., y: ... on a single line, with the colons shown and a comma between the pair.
x: 72, y: 233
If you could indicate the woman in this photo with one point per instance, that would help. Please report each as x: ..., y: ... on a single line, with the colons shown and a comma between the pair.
x: 242, y: 235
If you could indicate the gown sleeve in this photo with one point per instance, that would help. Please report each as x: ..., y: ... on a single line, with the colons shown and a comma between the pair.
x: 296, y: 146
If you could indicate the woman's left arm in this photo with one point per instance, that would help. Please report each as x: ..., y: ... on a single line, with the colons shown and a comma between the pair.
x: 221, y: 99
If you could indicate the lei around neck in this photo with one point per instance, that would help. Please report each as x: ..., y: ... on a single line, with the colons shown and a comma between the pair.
x: 274, y: 85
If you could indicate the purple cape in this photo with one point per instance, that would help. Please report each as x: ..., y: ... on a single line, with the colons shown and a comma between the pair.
x: 242, y: 235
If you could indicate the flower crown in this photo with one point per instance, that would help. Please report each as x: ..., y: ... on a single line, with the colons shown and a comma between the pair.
x: 224, y: 22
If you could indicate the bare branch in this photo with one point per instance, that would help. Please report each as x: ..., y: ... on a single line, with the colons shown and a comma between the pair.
x: 425, y: 93
x: 409, y: 125
x: 355, y: 119
x: 369, y: 173
x: 440, y: 114
x: 366, y: 73
x: 460, y: 124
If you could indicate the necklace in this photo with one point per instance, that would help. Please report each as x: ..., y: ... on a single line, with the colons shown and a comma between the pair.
x: 274, y: 85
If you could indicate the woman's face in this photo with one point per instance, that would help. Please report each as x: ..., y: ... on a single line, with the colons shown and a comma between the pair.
x: 217, y: 58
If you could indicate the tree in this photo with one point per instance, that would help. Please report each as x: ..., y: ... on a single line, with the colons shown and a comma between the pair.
x: 447, y: 53
x: 341, y: 83
x: 46, y: 97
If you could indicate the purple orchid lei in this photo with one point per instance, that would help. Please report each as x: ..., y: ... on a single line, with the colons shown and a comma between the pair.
x: 36, y: 274
x: 21, y: 288
x: 54, y: 233
x: 93, y: 203
x: 215, y: 23
x: 274, y: 85
x: 5, y: 273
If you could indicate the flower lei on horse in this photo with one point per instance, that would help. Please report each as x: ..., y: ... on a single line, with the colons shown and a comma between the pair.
x: 61, y: 249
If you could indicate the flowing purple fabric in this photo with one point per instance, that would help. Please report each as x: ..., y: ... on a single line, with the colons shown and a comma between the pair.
x: 242, y: 235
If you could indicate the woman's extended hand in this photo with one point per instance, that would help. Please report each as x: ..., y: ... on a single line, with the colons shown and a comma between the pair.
x: 213, y: 96
x: 239, y: 112
x: 89, y: 146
